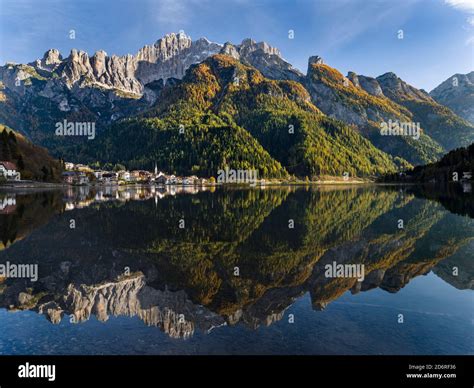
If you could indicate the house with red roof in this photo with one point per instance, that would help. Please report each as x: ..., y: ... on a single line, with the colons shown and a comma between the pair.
x: 9, y: 171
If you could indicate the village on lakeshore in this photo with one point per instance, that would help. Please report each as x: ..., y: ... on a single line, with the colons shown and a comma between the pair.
x: 84, y: 175
x: 80, y: 174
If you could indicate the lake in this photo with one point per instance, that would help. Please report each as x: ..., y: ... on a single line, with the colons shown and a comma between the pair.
x: 146, y: 270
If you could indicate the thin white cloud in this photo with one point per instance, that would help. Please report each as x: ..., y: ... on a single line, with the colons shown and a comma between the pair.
x: 463, y: 5
x: 353, y: 18
x: 167, y: 10
x: 175, y: 12
x: 182, y: 12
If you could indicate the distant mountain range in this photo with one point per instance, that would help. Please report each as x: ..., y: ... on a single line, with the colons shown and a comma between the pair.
x: 198, y: 106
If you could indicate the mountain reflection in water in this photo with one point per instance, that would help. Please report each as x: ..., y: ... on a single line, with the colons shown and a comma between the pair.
x: 128, y: 255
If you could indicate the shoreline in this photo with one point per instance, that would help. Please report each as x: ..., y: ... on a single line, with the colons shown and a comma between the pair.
x: 32, y: 185
x: 59, y: 186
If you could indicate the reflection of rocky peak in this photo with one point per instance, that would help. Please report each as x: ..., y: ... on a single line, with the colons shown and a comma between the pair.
x: 458, y: 270
x: 171, y: 311
x: 88, y: 285
x: 394, y: 282
x: 372, y: 280
x: 269, y: 308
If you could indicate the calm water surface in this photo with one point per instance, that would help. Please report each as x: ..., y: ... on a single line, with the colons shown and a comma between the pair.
x: 238, y: 271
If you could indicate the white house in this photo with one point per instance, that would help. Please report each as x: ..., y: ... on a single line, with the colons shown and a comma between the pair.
x: 172, y: 180
x: 8, y: 170
x: 124, y: 175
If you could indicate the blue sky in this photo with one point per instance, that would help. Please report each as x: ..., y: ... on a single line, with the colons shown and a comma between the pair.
x: 357, y: 35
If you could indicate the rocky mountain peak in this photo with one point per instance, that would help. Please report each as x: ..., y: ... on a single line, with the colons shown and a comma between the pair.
x: 315, y: 60
x: 100, y: 54
x: 163, y: 49
x: 454, y: 84
x: 457, y: 93
x: 168, y: 58
x: 231, y: 50
x: 76, y: 54
x: 52, y: 57
x: 98, y: 63
x: 204, y: 46
x: 76, y: 65
x: 390, y: 79
x: 263, y: 57
x: 369, y: 84
x: 354, y: 78
x: 470, y: 77
x: 249, y: 46
x: 171, y: 56
x: 396, y: 89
